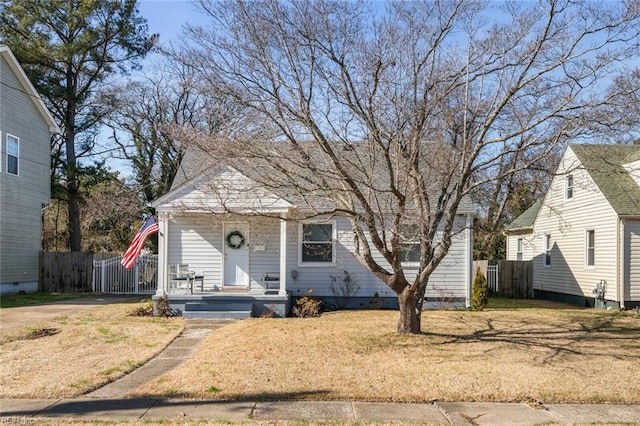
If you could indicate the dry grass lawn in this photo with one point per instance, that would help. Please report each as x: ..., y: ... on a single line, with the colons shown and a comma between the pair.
x: 545, y: 355
x: 74, y: 354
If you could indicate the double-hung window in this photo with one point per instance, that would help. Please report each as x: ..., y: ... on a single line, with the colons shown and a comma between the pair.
x: 568, y: 187
x: 317, y: 240
x: 13, y: 154
x: 590, y: 249
x: 519, y: 250
x: 547, y: 250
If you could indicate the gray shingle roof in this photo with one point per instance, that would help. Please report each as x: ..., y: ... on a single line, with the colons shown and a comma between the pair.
x: 526, y: 219
x: 604, y: 164
x: 197, y: 161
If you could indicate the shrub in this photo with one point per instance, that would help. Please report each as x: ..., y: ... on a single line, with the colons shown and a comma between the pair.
x: 145, y: 310
x: 480, y: 296
x: 307, y: 307
x: 344, y: 288
x: 163, y: 308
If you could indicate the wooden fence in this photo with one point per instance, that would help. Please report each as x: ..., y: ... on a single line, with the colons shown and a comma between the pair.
x: 68, y: 272
x: 511, y: 279
x: 515, y: 279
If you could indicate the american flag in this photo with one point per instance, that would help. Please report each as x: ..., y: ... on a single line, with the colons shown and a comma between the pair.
x: 131, y: 255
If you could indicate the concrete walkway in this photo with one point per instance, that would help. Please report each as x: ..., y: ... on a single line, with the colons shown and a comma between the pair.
x: 110, y: 402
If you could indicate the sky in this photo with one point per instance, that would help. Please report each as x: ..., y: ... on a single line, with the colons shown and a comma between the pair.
x: 167, y: 17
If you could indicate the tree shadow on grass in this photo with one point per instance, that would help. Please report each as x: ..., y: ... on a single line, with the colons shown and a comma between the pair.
x: 588, y: 336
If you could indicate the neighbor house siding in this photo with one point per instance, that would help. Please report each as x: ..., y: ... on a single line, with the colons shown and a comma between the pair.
x: 21, y: 196
x: 567, y: 221
x: 632, y: 260
x: 531, y: 246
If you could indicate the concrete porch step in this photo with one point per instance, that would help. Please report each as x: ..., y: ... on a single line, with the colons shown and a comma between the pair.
x: 219, y: 314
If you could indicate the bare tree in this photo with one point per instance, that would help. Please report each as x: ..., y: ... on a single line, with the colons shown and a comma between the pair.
x: 147, y: 114
x: 391, y: 118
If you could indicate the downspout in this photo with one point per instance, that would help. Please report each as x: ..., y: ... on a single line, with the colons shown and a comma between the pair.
x: 469, y: 258
x: 620, y: 261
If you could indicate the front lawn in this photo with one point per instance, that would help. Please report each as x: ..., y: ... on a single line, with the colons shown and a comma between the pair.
x: 74, y: 354
x: 531, y: 355
x: 16, y: 300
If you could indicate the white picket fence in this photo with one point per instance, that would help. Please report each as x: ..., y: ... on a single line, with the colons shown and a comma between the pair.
x: 492, y: 278
x: 109, y: 276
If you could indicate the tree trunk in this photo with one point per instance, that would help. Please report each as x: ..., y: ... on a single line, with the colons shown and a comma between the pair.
x: 409, y: 321
x: 71, y: 170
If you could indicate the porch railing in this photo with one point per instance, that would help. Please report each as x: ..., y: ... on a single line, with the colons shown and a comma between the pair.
x: 109, y: 276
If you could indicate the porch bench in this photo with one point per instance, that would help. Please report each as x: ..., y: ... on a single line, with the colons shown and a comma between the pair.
x: 271, y: 281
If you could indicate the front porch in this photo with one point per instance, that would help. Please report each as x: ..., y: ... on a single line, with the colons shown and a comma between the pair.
x: 228, y: 305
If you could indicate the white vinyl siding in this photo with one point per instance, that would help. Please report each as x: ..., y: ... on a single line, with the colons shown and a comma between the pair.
x: 566, y: 223
x: 448, y: 280
x: 530, y: 246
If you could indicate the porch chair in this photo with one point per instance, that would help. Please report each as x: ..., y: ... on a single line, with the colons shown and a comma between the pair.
x: 180, y: 278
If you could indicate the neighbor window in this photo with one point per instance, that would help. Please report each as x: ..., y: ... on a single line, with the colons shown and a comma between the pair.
x: 13, y: 154
x: 569, y: 187
x: 547, y: 250
x: 519, y: 250
x: 317, y: 242
x: 590, y: 249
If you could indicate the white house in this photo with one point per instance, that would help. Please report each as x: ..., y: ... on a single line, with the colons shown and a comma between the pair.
x: 585, y: 234
x: 25, y: 157
x: 244, y: 264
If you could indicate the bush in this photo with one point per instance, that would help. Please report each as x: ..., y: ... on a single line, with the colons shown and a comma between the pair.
x: 480, y: 296
x: 163, y: 308
x: 307, y: 307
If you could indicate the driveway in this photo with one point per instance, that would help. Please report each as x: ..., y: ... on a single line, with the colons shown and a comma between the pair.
x: 33, y: 314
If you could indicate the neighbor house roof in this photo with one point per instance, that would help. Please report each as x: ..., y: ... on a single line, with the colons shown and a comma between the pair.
x: 28, y: 88
x: 604, y: 163
x: 526, y: 219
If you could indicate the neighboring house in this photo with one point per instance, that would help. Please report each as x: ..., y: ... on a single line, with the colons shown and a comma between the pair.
x: 26, y: 127
x: 586, y: 231
x: 258, y: 262
x: 520, y: 241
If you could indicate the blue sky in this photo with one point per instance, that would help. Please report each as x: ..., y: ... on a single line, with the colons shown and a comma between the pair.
x: 167, y: 17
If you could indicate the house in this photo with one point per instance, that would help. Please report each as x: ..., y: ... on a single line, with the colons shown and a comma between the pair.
x: 26, y: 127
x: 520, y: 241
x: 584, y: 236
x: 245, y: 264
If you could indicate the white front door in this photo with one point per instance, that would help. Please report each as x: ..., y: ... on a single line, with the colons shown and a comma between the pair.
x: 236, y: 255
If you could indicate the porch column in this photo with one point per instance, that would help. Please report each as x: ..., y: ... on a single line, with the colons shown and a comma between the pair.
x: 283, y: 258
x: 163, y: 238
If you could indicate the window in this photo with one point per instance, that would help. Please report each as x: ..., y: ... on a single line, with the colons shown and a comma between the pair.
x: 519, y: 250
x: 590, y: 249
x: 13, y: 153
x: 410, y: 252
x: 547, y: 250
x: 317, y: 243
x: 569, y: 187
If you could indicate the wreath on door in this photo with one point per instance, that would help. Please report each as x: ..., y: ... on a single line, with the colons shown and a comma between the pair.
x: 234, y: 240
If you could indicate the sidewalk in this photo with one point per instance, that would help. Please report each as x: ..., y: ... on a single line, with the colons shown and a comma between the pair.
x: 459, y: 413
x: 110, y: 403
